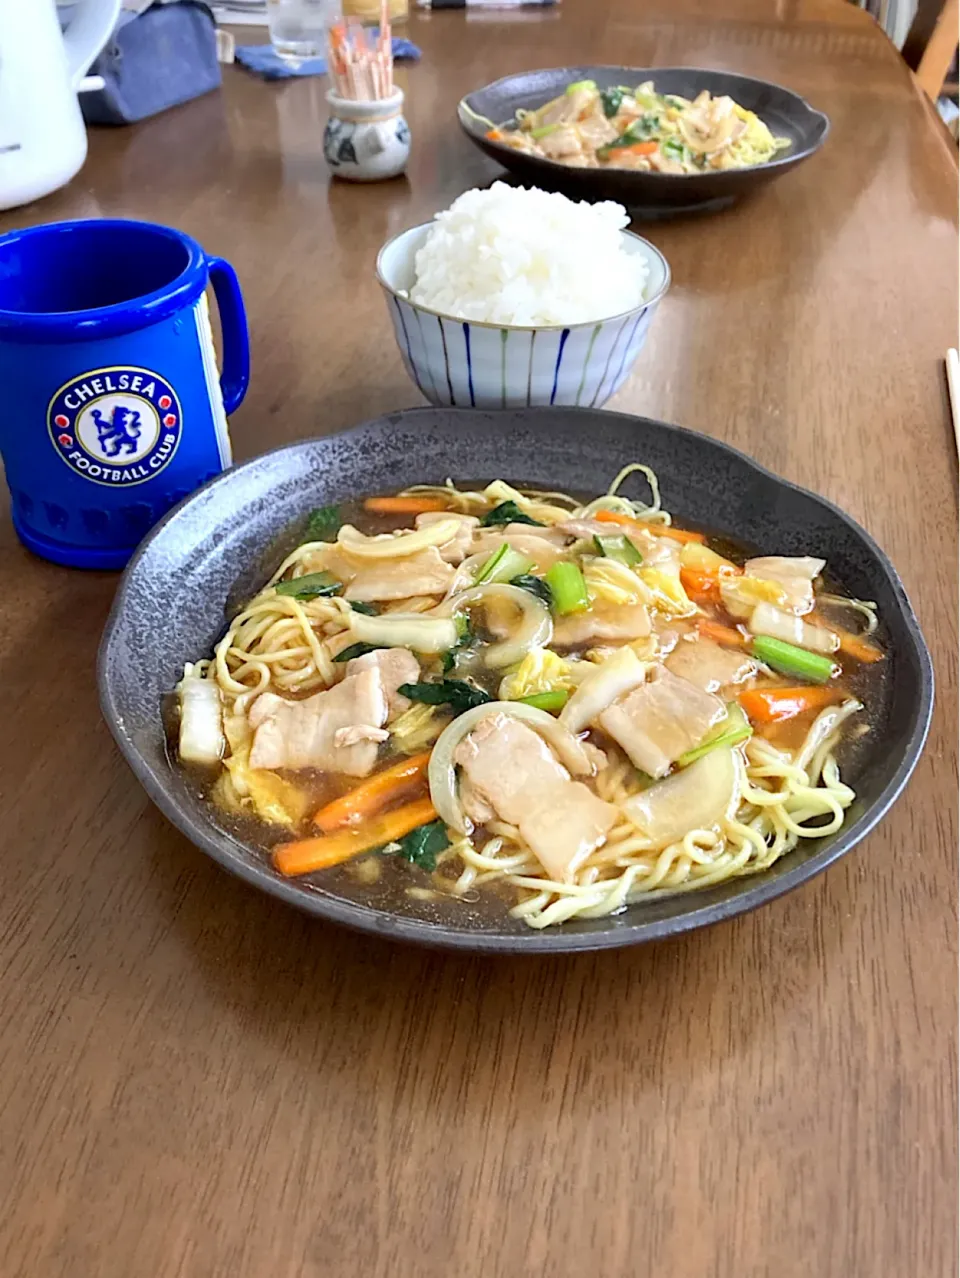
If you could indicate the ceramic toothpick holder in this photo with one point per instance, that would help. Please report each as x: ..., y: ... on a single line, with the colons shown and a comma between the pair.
x: 366, y: 141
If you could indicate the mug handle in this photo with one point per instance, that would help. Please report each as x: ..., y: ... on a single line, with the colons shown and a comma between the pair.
x: 236, y: 339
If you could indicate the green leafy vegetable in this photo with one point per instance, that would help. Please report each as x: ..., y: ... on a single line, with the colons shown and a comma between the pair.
x: 455, y: 693
x: 610, y: 100
x: 503, y: 565
x: 357, y: 650
x: 568, y: 588
x: 581, y: 84
x: 673, y: 148
x: 323, y: 523
x: 788, y: 659
x: 368, y: 609
x: 310, y: 586
x: 730, y: 731
x: 553, y: 702
x: 536, y: 586
x: 466, y: 637
x: 641, y: 130
x: 423, y: 845
x: 508, y: 512
x: 618, y: 547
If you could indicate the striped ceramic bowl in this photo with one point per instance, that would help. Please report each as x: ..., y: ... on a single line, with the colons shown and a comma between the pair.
x: 470, y: 364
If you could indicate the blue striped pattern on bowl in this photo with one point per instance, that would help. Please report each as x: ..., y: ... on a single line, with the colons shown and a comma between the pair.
x: 466, y: 364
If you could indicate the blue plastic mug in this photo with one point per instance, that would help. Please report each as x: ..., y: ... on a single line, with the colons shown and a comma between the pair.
x: 114, y: 410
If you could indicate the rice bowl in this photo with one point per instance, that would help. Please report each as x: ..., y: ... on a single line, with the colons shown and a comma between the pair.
x: 460, y: 361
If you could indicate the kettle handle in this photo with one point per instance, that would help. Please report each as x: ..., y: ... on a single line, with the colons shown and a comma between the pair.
x: 87, y: 33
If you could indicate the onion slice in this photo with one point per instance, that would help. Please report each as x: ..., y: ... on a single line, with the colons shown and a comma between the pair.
x: 535, y: 631
x: 399, y: 545
x: 442, y: 772
x: 620, y: 673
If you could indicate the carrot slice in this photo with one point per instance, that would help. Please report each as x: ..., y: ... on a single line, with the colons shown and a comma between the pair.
x: 725, y: 635
x: 372, y: 795
x: 641, y: 148
x: 854, y: 646
x: 658, y: 530
x: 774, y: 705
x: 403, y: 505
x: 306, y: 855
x: 701, y: 587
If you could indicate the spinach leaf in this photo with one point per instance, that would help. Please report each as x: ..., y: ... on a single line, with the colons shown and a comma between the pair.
x: 357, y: 650
x: 673, y: 148
x: 536, y: 586
x: 423, y: 845
x: 610, y: 100
x: 368, y: 610
x: 323, y: 523
x: 455, y: 693
x: 508, y: 512
x: 310, y: 586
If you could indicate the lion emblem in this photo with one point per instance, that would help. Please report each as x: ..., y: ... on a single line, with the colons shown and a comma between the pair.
x: 118, y: 433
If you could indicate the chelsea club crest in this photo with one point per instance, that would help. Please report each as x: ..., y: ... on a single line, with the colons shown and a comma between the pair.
x: 116, y: 426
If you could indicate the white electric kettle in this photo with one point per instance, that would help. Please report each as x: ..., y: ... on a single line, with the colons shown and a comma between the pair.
x: 43, y: 142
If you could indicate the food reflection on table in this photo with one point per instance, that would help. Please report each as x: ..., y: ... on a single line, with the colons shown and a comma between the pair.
x: 640, y: 129
x: 556, y: 704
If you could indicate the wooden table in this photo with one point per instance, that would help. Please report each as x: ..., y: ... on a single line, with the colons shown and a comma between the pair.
x: 197, y: 1081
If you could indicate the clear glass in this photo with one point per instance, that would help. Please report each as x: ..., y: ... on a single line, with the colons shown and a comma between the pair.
x: 298, y: 28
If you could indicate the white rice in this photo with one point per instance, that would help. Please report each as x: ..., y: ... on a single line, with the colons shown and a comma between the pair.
x: 508, y: 255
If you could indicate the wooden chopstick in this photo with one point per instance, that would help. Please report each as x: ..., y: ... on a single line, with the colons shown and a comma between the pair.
x: 953, y: 384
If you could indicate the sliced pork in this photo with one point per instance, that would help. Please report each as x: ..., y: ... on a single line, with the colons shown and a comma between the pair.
x: 455, y: 550
x: 708, y: 666
x: 395, y: 666
x: 603, y: 623
x: 310, y: 733
x: 509, y: 769
x: 662, y: 719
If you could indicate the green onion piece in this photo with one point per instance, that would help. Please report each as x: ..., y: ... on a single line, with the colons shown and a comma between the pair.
x: 673, y: 148
x: 310, y: 586
x: 357, y: 650
x: 368, y: 610
x: 618, y: 547
x: 581, y: 84
x: 568, y: 588
x: 553, y: 702
x: 508, y: 512
x: 323, y: 523
x: 536, y: 586
x: 544, y: 130
x: 503, y: 565
x: 790, y: 660
x: 730, y: 731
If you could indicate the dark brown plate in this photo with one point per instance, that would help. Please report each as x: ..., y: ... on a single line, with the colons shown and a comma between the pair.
x: 188, y: 575
x: 646, y: 194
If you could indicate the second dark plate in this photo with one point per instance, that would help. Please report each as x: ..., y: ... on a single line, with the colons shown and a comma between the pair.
x: 786, y: 114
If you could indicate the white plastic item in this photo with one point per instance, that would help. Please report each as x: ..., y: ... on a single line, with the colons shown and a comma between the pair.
x: 43, y: 141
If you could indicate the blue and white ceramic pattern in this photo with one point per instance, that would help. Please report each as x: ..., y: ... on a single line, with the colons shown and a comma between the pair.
x: 366, y: 141
x: 469, y: 364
